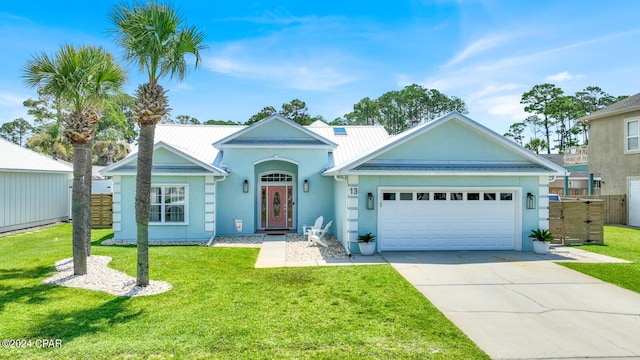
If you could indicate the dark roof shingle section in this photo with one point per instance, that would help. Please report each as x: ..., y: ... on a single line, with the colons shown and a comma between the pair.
x: 631, y: 103
x: 557, y: 159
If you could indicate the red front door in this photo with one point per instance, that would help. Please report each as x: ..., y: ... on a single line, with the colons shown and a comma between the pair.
x: 277, y: 206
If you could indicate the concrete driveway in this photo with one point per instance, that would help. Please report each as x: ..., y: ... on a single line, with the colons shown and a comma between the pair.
x: 517, y: 305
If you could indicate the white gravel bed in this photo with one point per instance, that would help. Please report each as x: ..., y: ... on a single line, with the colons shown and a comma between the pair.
x: 254, y: 241
x: 101, y: 277
x: 299, y: 250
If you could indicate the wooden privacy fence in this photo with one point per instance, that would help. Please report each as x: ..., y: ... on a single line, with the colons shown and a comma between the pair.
x: 577, y: 221
x: 615, y: 208
x: 101, y: 210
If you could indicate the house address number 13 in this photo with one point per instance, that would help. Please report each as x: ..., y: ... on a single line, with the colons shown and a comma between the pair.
x: 353, y: 190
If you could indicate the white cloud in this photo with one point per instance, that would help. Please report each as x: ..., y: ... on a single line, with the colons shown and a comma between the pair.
x: 317, y: 71
x: 11, y: 106
x: 481, y: 45
x: 181, y: 86
x: 559, y: 77
x: 278, y: 16
x: 492, y: 89
x: 10, y: 99
x: 9, y: 16
x: 222, y: 65
x: 504, y: 105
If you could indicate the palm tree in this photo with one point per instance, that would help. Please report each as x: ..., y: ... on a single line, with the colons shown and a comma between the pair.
x: 50, y: 140
x: 80, y: 78
x: 536, y: 145
x: 110, y: 146
x: 154, y: 39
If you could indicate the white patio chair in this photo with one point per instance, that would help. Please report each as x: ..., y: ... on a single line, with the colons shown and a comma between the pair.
x: 319, y: 238
x: 315, y: 229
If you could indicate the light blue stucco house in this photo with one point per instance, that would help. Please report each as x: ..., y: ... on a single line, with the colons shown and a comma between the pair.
x: 444, y: 185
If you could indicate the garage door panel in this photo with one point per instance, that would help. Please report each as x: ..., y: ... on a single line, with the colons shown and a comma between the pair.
x: 448, y: 224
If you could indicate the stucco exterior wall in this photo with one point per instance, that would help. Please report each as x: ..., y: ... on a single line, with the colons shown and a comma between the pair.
x: 248, y: 163
x: 607, y: 153
x: 340, y: 205
x: 125, y: 216
x: 436, y: 144
x: 30, y: 199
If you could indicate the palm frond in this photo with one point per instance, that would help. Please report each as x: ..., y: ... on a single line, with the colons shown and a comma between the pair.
x: 153, y: 39
x: 81, y: 77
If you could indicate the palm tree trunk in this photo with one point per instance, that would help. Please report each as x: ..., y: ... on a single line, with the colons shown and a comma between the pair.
x: 143, y: 200
x: 88, y: 178
x: 78, y: 208
x: 111, y: 151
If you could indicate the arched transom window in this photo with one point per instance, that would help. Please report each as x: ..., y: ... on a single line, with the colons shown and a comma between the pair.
x: 276, y: 177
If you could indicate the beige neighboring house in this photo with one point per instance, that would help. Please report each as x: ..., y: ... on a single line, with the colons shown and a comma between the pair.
x: 614, y: 151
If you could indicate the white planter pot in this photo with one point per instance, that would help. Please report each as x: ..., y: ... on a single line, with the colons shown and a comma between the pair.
x: 541, y: 247
x: 367, y: 248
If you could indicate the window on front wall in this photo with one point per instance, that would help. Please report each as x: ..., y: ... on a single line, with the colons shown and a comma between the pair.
x: 406, y: 196
x: 440, y: 196
x: 168, y: 204
x: 632, y: 135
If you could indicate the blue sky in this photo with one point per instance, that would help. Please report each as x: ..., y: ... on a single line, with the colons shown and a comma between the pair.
x: 331, y: 54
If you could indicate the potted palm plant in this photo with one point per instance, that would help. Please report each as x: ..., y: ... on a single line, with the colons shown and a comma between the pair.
x: 367, y: 244
x: 541, y: 240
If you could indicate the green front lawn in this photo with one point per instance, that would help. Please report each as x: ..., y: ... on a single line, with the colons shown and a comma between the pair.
x: 623, y: 243
x: 220, y: 307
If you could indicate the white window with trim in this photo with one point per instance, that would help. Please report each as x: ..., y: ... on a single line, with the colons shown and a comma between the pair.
x: 169, y: 205
x: 631, y: 135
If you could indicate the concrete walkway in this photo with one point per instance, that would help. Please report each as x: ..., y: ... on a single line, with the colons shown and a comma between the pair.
x: 274, y: 254
x: 517, y: 305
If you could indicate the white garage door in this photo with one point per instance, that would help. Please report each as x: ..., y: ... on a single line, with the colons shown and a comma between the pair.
x: 447, y: 219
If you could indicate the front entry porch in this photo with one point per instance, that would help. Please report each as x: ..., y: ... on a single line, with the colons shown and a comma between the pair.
x: 276, y: 197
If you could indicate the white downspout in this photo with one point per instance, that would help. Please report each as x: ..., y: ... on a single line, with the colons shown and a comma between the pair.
x: 213, y: 235
x: 346, y: 202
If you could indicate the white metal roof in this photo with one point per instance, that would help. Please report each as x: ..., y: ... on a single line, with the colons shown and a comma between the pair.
x: 18, y: 158
x: 197, y: 140
x: 358, y: 140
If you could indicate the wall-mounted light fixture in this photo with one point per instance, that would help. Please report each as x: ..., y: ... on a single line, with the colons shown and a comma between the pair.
x: 370, y: 201
x: 245, y: 186
x: 305, y: 185
x: 531, y: 201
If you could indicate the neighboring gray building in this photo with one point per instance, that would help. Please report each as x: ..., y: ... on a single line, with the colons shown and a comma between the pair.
x: 34, y: 189
x: 614, y: 151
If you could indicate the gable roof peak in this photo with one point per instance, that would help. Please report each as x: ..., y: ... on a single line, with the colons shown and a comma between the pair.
x: 319, y: 123
x: 417, y: 130
x: 236, y: 139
